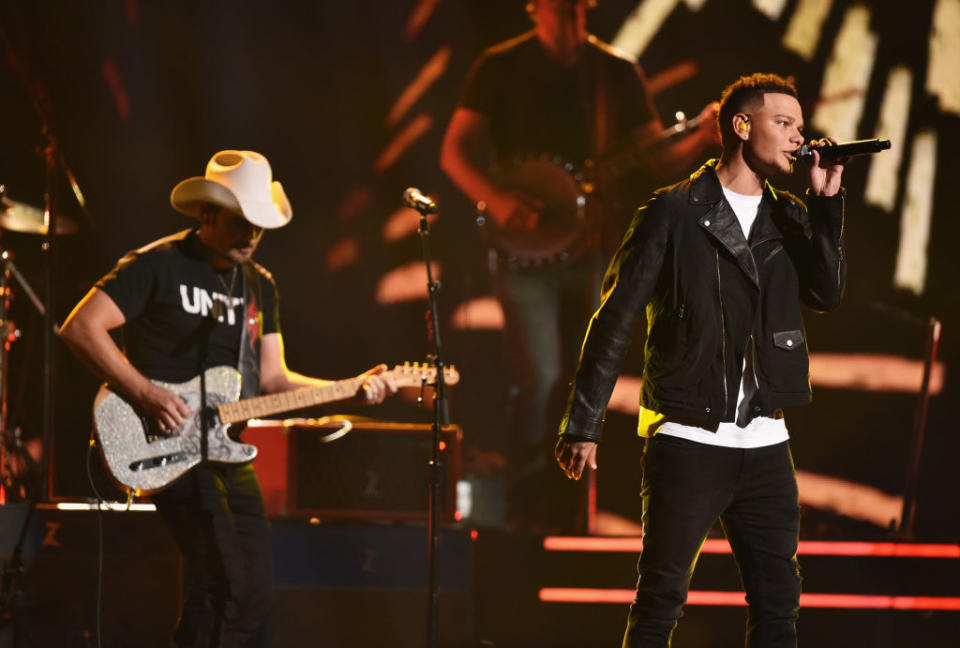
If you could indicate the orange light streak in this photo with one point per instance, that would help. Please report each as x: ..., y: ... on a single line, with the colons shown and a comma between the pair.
x: 851, y: 499
x: 682, y: 71
x: 428, y: 75
x: 419, y: 17
x: 401, y: 224
x: 342, y: 254
x: 481, y: 313
x: 406, y: 283
x: 410, y: 133
x: 626, y: 395
x: 354, y: 202
x: 805, y: 547
x: 872, y: 372
x: 807, y: 600
x: 118, y: 89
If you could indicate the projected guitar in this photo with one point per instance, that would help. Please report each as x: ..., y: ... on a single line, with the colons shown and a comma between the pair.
x: 142, y: 457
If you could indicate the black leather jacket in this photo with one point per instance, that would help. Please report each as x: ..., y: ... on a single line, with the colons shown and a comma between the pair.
x: 707, y: 292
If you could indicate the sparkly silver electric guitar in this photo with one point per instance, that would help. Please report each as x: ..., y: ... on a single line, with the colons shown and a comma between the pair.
x: 143, y: 458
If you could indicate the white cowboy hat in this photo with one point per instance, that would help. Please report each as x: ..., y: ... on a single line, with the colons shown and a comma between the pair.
x: 240, y: 181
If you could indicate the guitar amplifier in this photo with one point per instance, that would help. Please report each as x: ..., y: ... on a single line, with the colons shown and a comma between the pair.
x: 340, y: 468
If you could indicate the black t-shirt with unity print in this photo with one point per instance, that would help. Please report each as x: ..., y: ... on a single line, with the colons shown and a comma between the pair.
x: 182, y: 315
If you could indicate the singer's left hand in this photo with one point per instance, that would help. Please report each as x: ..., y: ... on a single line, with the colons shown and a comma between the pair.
x: 824, y: 175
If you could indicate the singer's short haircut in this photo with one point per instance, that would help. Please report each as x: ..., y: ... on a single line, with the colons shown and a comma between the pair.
x: 744, y: 94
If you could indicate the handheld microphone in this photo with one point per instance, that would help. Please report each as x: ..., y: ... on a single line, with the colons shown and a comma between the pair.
x: 415, y: 200
x: 848, y: 149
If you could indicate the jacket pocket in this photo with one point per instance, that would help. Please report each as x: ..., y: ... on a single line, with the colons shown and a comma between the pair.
x: 788, y: 340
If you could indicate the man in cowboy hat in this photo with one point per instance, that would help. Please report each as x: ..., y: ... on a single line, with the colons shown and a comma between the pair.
x: 188, y: 302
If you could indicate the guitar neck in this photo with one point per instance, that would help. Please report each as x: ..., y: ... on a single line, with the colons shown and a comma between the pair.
x: 260, y: 406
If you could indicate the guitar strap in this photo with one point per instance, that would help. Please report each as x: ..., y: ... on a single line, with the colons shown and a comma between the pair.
x: 248, y: 359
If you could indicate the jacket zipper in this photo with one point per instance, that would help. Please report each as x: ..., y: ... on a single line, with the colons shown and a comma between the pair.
x: 723, y: 338
x: 839, y: 265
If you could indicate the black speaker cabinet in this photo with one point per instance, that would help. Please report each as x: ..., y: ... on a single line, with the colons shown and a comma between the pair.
x: 354, y: 585
x: 141, y: 578
x: 378, y: 470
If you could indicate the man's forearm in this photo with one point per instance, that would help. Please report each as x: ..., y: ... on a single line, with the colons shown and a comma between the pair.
x: 97, y: 350
x: 467, y: 176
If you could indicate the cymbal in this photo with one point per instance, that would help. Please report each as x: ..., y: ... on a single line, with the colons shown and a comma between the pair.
x: 21, y: 217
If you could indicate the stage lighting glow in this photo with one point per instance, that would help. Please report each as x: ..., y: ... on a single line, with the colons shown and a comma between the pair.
x: 642, y: 25
x: 803, y: 32
x: 872, y: 372
x: 626, y: 395
x: 911, y: 269
x: 414, y: 130
x: 944, y: 55
x: 343, y: 253
x: 804, y: 548
x: 429, y: 73
x: 114, y: 507
x: 807, y: 600
x: 401, y: 224
x: 772, y: 9
x: 406, y: 283
x: 482, y: 313
x: 882, y: 184
x: 673, y: 75
x: 847, y: 76
x: 464, y: 497
x: 118, y: 90
x: 419, y: 17
x: 843, y: 497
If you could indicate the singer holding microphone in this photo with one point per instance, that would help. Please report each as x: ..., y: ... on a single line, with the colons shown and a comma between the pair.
x: 722, y: 263
x: 188, y: 302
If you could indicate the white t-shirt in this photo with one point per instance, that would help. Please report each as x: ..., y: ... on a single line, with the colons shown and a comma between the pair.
x: 759, y: 432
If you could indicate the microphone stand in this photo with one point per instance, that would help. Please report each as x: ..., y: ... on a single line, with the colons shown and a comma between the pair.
x: 440, y: 418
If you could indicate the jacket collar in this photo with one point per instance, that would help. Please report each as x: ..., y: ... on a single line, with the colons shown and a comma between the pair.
x: 720, y: 222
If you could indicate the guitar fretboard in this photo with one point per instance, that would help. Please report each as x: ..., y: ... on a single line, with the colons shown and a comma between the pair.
x: 261, y: 406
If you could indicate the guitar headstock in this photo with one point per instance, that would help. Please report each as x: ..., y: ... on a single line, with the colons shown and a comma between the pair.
x: 414, y: 374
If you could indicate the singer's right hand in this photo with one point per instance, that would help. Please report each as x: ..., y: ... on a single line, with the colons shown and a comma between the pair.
x: 513, y: 211
x: 825, y: 174
x: 162, y: 405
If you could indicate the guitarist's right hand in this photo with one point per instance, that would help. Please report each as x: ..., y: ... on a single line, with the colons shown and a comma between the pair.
x: 164, y: 406
x: 514, y: 212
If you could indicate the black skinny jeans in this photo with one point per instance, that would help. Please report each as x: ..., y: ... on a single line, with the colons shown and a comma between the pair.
x: 216, y: 516
x: 686, y: 487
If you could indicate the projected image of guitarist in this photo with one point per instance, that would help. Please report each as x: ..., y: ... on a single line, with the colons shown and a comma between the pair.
x: 195, y: 304
x: 550, y: 128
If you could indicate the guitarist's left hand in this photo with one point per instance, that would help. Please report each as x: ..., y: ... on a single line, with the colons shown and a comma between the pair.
x: 379, y: 384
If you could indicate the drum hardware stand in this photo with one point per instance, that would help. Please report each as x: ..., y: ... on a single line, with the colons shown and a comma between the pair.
x: 10, y: 442
x: 424, y: 206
